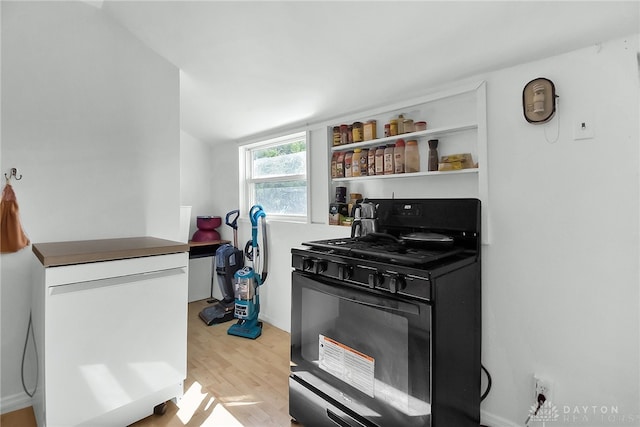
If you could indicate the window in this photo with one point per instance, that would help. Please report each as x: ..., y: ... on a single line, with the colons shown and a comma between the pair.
x: 275, y: 176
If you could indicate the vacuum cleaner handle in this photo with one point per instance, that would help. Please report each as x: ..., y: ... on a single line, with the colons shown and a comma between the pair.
x: 255, y: 213
x: 233, y: 224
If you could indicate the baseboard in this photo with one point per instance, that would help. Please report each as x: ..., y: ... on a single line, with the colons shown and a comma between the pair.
x: 491, y: 420
x: 14, y: 403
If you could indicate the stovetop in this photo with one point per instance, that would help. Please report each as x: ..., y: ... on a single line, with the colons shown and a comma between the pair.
x: 383, y: 250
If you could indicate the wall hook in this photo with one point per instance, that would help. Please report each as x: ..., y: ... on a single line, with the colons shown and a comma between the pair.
x: 14, y: 174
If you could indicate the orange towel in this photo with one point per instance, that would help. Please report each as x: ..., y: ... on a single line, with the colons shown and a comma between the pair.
x: 12, y: 237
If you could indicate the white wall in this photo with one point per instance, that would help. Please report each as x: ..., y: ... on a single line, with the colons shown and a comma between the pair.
x: 195, y: 191
x: 560, y: 276
x: 90, y: 117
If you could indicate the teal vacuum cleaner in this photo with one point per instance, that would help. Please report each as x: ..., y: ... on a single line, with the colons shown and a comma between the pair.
x: 248, y: 280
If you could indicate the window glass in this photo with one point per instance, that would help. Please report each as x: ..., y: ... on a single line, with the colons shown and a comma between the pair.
x: 276, y: 176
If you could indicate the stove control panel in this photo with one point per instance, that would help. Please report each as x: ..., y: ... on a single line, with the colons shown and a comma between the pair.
x: 368, y: 275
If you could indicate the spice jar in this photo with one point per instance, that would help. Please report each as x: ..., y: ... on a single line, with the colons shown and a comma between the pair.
x: 380, y: 160
x: 387, y: 129
x: 348, y: 157
x: 334, y: 161
x: 344, y: 134
x: 411, y: 157
x: 355, y: 162
x: 364, y: 161
x: 409, y: 126
x: 398, y: 156
x: 357, y: 132
x: 420, y: 126
x: 340, y: 165
x: 401, y: 124
x: 371, y: 162
x: 370, y: 130
x: 388, y: 160
x: 337, y: 138
x: 393, y: 127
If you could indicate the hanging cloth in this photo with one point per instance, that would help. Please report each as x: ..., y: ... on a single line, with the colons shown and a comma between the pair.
x: 12, y: 237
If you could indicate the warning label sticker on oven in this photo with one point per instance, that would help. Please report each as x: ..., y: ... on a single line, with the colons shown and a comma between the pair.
x: 347, y: 364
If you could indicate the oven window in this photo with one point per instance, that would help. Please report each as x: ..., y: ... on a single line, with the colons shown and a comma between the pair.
x: 366, y: 346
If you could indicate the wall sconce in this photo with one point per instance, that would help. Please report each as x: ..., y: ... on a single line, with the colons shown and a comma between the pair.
x: 539, y: 100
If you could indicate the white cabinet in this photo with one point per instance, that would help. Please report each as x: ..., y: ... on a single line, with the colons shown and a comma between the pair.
x: 456, y: 117
x: 111, y: 336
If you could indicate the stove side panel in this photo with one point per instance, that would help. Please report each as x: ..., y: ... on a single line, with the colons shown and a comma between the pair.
x: 456, y: 371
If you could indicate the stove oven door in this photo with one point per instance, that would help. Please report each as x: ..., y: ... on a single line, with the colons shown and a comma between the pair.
x: 358, y: 358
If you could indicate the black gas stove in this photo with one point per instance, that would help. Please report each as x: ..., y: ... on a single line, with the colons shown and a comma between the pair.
x: 385, y: 325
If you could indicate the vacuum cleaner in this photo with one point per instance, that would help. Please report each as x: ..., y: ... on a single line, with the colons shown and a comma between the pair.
x: 248, y: 280
x: 229, y: 259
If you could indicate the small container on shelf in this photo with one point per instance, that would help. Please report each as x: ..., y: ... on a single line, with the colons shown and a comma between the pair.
x: 364, y: 161
x: 389, y: 167
x: 356, y: 132
x: 371, y: 162
x: 420, y: 126
x: 393, y: 127
x: 387, y: 129
x: 337, y: 213
x: 344, y: 134
x: 401, y: 124
x: 411, y: 157
x: 340, y: 165
x: 355, y: 162
x: 337, y: 136
x: 433, y: 155
x: 348, y: 158
x: 370, y: 130
x: 398, y: 156
x: 380, y: 160
x: 409, y: 126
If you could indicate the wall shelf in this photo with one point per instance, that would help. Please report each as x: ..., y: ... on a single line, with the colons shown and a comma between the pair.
x: 431, y: 133
x: 457, y: 118
x: 407, y: 175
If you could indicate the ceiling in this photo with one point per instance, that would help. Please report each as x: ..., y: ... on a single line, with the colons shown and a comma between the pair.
x: 252, y: 68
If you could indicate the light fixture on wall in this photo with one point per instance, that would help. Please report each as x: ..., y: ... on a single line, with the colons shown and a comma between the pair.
x: 539, y: 100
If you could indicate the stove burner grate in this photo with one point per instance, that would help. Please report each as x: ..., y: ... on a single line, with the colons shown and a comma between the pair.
x: 383, y: 250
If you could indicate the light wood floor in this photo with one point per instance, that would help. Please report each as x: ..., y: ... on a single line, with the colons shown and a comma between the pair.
x: 231, y: 381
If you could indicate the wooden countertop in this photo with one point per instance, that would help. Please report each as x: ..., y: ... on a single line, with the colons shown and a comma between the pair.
x: 82, y: 251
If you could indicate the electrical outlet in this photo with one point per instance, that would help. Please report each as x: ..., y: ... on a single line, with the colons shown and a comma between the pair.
x: 544, y: 386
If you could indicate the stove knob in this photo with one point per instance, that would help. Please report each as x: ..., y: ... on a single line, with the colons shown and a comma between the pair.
x: 345, y: 272
x: 396, y: 283
x: 307, y: 264
x: 375, y: 280
x: 319, y: 266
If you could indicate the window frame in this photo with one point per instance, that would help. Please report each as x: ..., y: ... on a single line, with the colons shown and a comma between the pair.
x: 248, y: 182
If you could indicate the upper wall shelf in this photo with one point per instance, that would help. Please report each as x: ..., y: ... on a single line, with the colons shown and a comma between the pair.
x: 434, y: 133
x: 458, y: 117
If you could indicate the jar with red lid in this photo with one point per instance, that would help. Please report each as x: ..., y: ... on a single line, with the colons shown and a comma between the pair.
x: 422, y: 125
